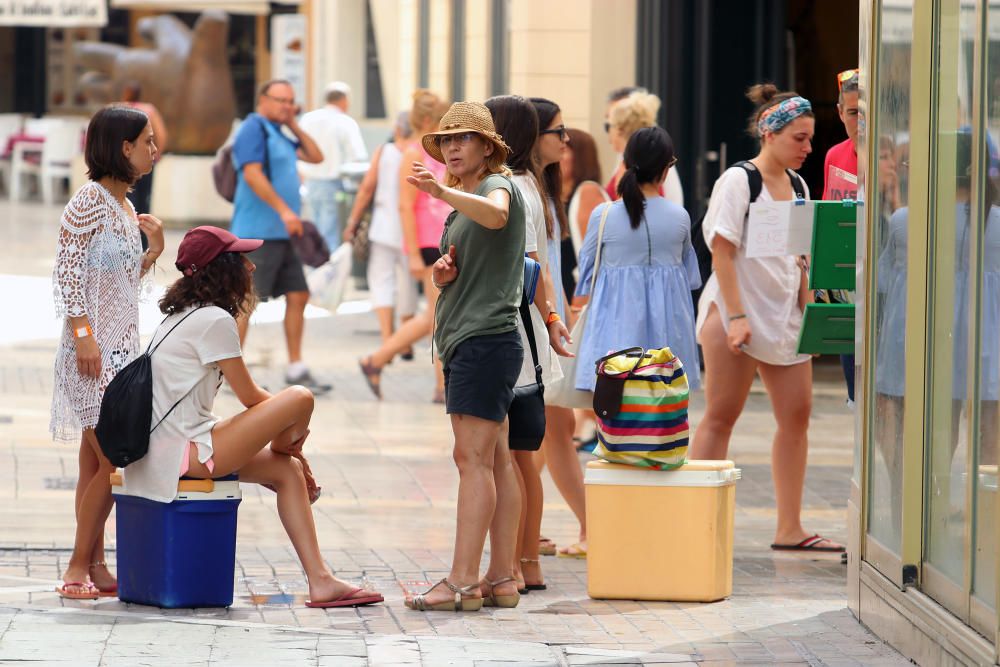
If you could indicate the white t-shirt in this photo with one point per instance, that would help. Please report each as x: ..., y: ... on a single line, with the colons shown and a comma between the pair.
x: 184, y: 365
x: 769, y: 286
x: 338, y: 137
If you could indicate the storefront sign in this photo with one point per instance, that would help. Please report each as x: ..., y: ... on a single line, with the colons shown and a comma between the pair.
x: 54, y: 13
x: 288, y: 51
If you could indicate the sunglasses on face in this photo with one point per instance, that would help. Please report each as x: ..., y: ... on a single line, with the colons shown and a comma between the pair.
x: 458, y: 139
x: 847, y: 76
x: 607, y: 127
x: 561, y: 131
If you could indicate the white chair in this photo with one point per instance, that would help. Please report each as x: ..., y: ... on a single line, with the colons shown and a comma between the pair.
x: 60, y: 147
x: 44, y: 161
x: 10, y: 124
x: 25, y: 160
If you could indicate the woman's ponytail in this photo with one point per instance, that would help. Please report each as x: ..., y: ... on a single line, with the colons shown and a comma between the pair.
x: 649, y: 153
x: 632, y: 197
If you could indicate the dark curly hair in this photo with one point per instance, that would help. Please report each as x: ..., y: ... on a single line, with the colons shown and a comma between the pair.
x: 225, y: 282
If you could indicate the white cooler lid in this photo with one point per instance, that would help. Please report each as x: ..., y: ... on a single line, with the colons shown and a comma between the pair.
x: 693, y: 473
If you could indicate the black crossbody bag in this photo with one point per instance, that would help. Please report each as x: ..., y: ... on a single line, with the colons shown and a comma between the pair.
x: 527, y: 411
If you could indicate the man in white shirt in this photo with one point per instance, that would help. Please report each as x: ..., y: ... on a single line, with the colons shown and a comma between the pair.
x: 339, y: 137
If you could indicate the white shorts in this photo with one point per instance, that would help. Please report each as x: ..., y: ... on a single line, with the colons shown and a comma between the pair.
x: 389, y: 279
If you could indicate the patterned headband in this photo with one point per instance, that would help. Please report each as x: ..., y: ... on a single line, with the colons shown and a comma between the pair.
x: 781, y: 114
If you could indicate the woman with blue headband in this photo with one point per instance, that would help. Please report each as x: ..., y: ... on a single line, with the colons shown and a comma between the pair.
x: 750, y: 312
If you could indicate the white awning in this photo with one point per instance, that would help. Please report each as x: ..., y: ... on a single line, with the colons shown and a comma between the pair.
x: 258, y: 7
x: 54, y: 13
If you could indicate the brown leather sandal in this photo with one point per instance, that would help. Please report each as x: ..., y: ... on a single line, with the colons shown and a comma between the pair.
x: 501, y: 601
x: 464, y: 600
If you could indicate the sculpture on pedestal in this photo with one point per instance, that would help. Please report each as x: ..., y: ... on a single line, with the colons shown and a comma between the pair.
x: 185, y: 75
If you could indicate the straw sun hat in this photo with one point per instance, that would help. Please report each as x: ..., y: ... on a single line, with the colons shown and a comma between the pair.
x: 465, y: 117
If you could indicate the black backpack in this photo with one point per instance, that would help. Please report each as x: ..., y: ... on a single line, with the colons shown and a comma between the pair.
x: 701, y: 249
x: 127, y: 408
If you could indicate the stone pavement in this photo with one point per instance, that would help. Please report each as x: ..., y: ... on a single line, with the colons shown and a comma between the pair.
x: 387, y: 516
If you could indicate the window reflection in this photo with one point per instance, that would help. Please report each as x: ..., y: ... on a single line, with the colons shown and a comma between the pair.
x: 888, y: 310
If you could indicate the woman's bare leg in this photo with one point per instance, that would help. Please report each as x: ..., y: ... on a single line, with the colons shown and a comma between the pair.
x: 503, y: 529
x: 240, y: 443
x: 790, y: 389
x: 522, y: 517
x: 728, y: 378
x: 411, y: 331
x: 564, y: 466
x: 532, y: 518
x: 474, y: 454
x: 93, y: 507
x: 384, y: 315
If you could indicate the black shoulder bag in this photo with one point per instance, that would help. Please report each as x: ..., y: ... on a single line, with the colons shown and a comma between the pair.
x: 527, y: 411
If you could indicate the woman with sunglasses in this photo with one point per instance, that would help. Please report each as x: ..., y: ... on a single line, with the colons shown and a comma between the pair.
x: 480, y: 273
x: 517, y: 122
x: 642, y: 292
x: 750, y: 314
x: 558, y: 451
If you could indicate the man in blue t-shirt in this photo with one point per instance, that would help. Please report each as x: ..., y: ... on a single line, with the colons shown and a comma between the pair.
x: 267, y: 206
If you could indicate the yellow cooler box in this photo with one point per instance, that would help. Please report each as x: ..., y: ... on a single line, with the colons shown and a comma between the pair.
x: 660, y: 534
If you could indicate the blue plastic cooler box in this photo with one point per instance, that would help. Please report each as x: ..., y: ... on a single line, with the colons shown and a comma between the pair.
x: 178, y: 554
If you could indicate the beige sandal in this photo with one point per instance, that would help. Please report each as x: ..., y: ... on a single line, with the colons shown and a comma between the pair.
x: 463, y: 599
x: 502, y: 601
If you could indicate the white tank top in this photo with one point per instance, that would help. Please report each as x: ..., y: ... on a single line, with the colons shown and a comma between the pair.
x: 385, y: 226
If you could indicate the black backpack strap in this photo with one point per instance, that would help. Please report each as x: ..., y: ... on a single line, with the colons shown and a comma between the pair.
x: 753, y: 176
x: 150, y: 352
x: 797, y: 187
x: 150, y: 349
x: 529, y: 329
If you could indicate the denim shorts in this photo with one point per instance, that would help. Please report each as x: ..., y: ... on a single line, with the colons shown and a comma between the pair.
x: 479, y: 378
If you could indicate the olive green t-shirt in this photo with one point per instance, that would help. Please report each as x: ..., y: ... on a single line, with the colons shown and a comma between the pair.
x: 485, y: 296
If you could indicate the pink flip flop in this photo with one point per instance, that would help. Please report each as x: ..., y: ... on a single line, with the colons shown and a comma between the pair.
x: 87, y: 590
x: 348, y: 600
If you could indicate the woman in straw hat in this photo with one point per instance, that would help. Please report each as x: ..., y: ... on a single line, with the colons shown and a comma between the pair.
x: 480, y: 275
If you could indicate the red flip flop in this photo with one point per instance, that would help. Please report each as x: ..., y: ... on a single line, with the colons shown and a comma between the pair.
x: 87, y: 590
x: 348, y: 600
x: 809, y: 544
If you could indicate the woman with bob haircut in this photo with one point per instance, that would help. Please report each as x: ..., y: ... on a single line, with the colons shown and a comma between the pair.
x: 97, y: 275
x: 198, y: 344
x: 750, y: 313
x: 480, y: 274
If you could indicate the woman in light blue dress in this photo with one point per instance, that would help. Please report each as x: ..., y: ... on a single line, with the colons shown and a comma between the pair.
x: 648, y: 268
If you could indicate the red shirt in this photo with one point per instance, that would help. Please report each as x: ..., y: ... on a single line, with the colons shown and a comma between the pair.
x: 840, y: 172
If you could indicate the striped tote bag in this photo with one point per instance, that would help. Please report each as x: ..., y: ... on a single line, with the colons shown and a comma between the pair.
x: 641, y: 402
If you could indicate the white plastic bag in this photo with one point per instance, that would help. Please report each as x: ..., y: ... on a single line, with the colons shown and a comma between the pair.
x: 327, y: 282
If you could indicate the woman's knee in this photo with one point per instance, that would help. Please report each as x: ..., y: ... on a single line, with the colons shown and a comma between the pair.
x: 469, y: 459
x: 794, y: 414
x: 301, y: 398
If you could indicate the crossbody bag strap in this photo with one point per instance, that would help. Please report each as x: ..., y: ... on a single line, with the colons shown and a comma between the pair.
x: 529, y: 329
x: 600, y: 244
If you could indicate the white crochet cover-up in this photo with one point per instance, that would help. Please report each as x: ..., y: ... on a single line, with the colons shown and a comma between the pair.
x: 98, y: 273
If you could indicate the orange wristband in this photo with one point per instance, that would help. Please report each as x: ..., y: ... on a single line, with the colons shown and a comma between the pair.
x: 83, y: 332
x: 553, y: 317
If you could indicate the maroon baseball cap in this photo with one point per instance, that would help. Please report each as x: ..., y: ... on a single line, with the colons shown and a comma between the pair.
x: 203, y: 244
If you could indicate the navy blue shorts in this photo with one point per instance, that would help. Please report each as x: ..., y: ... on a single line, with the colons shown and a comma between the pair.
x: 479, y: 378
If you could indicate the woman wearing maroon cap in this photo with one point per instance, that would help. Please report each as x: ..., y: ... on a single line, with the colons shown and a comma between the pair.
x: 195, y: 346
